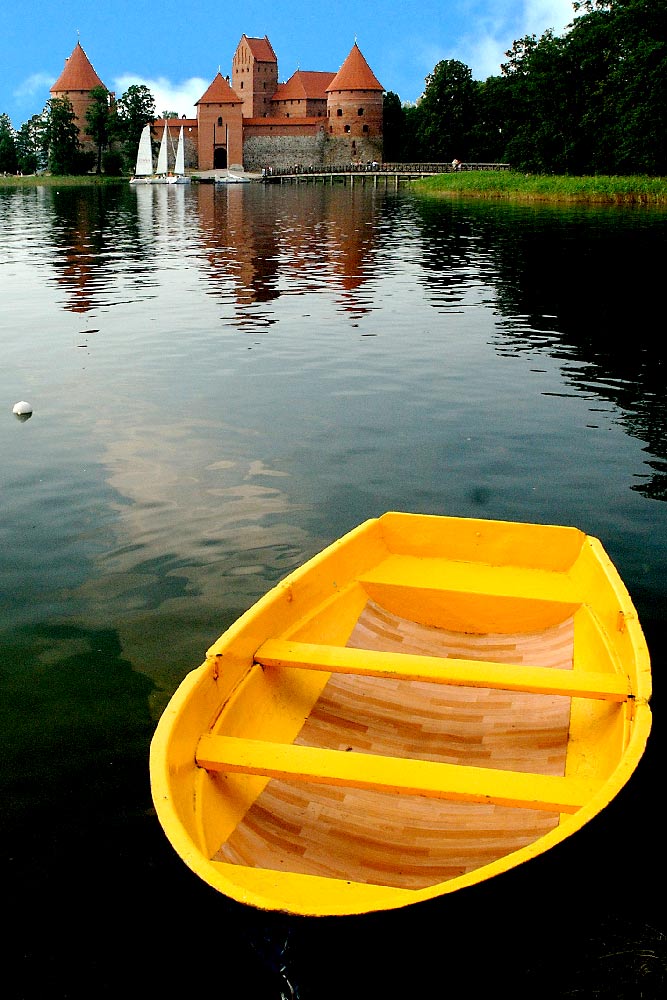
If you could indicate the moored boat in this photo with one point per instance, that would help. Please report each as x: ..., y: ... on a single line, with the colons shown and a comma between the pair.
x: 229, y: 177
x: 143, y: 171
x: 429, y: 702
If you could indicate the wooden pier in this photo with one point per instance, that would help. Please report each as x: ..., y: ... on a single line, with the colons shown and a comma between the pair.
x: 385, y: 174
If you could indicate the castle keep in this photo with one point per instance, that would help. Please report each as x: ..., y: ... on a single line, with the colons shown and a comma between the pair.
x: 315, y: 119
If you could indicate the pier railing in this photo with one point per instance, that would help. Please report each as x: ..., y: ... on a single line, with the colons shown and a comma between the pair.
x: 372, y: 171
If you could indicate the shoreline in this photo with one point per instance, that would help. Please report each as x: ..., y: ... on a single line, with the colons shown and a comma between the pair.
x: 490, y: 185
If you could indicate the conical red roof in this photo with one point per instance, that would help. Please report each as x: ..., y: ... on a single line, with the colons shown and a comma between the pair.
x: 355, y: 74
x: 78, y: 73
x: 219, y: 93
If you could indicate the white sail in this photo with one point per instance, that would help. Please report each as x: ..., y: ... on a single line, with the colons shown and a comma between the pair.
x: 162, y: 155
x: 144, y: 166
x: 179, y: 168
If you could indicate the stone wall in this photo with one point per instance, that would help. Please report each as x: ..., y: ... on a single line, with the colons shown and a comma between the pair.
x: 343, y: 150
x: 282, y: 151
x: 315, y: 151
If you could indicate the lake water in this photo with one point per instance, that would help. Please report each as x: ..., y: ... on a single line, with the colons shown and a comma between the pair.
x: 223, y: 380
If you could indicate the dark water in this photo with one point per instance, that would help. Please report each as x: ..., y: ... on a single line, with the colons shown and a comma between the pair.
x: 223, y: 381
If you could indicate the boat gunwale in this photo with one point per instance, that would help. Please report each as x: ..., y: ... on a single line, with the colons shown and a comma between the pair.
x: 217, y: 873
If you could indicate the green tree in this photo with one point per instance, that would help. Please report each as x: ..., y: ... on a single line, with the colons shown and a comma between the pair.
x: 489, y: 134
x: 99, y: 121
x: 446, y: 112
x: 134, y: 109
x: 595, y: 100
x: 619, y: 49
x: 8, y: 158
x: 411, y: 146
x: 393, y: 128
x: 541, y: 88
x: 61, y: 136
x: 30, y: 145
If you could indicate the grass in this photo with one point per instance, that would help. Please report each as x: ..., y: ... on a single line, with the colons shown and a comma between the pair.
x: 602, y: 190
x: 51, y: 180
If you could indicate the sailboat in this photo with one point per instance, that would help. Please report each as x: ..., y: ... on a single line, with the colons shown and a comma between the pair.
x: 161, y: 176
x: 143, y: 172
x: 179, y: 167
x: 162, y: 173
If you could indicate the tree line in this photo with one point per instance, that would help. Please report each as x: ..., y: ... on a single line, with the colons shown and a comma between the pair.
x: 591, y: 101
x: 51, y: 141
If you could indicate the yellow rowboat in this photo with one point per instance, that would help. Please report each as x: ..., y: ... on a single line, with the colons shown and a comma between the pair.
x: 427, y: 703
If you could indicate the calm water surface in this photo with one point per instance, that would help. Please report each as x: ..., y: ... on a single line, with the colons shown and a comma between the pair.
x: 223, y: 381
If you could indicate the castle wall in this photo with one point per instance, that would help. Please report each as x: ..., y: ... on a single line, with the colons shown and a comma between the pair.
x: 283, y: 151
x: 344, y: 149
x: 316, y: 151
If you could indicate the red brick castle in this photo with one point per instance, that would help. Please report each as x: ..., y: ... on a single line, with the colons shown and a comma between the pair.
x: 314, y: 119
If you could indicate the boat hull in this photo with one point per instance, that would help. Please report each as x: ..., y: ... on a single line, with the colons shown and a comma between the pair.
x: 427, y: 703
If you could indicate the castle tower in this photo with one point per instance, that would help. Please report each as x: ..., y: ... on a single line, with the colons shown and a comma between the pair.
x: 255, y: 75
x: 354, y: 110
x: 220, y: 127
x: 75, y: 83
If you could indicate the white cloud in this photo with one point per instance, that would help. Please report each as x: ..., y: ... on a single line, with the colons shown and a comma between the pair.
x: 543, y: 14
x: 37, y: 83
x: 169, y: 96
x: 484, y: 48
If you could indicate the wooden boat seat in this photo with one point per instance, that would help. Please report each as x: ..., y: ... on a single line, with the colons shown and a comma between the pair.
x: 394, y: 774
x: 451, y: 575
x: 455, y: 671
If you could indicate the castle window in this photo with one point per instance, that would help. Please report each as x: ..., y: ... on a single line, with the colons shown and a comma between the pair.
x: 347, y: 128
x: 219, y: 120
x: 365, y: 128
x: 339, y: 112
x: 241, y: 84
x: 360, y: 112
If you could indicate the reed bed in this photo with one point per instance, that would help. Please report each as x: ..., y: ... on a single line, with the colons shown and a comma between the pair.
x: 604, y: 190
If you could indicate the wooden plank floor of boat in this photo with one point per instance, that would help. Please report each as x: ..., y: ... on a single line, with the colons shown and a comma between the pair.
x: 402, y: 840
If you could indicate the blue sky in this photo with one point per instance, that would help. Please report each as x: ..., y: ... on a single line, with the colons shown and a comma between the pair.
x: 176, y: 48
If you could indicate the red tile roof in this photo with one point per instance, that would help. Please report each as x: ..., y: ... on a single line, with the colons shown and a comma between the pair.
x: 261, y: 49
x: 219, y: 93
x: 78, y: 73
x: 304, y: 84
x: 355, y: 74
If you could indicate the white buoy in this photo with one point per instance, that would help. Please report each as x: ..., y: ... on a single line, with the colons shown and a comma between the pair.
x: 22, y: 407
